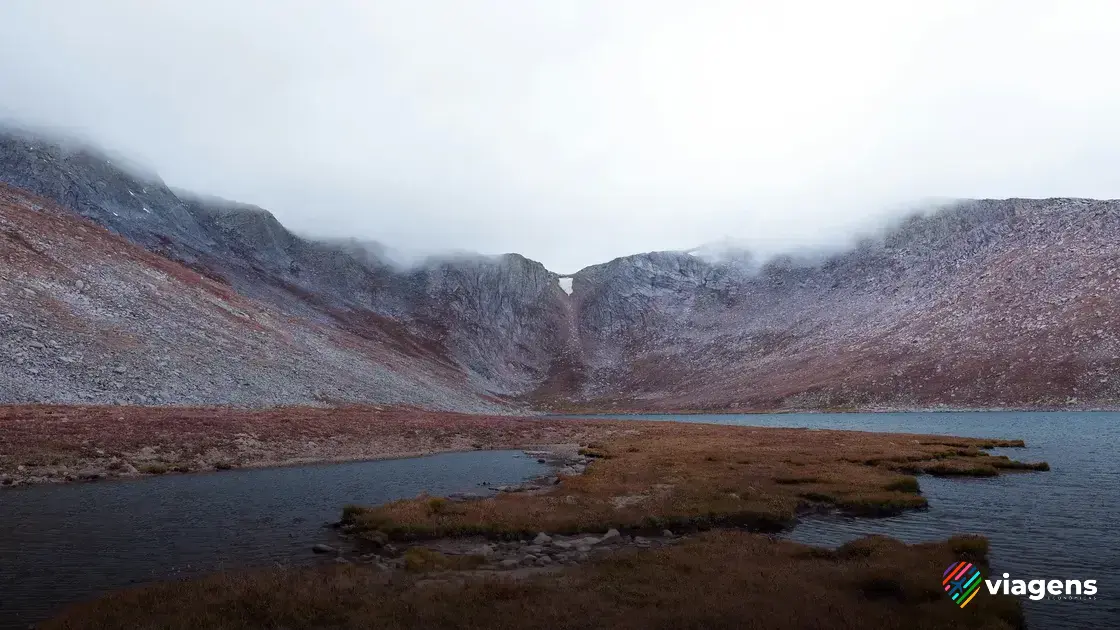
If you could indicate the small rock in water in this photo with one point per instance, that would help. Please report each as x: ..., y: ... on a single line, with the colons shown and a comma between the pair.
x: 321, y: 548
x: 667, y: 533
x: 561, y: 544
x: 588, y: 541
x: 610, y: 535
x: 542, y: 539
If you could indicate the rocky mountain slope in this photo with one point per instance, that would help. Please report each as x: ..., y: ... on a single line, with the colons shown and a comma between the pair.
x: 985, y: 303
x: 88, y: 316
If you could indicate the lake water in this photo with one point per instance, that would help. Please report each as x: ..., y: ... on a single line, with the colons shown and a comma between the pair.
x: 65, y: 543
x: 1062, y: 524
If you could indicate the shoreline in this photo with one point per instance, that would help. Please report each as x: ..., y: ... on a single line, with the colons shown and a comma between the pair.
x: 84, y: 444
x: 784, y: 411
x: 261, y: 465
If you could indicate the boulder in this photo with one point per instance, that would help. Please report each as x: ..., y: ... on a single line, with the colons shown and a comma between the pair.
x: 321, y: 548
x: 611, y: 535
x: 542, y: 539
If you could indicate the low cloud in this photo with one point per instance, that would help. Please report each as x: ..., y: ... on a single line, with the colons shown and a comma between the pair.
x: 576, y: 132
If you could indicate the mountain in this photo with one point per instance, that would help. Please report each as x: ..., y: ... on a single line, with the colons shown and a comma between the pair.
x: 89, y: 316
x: 979, y: 303
x: 983, y: 303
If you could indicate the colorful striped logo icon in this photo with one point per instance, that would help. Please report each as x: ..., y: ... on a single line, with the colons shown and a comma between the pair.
x: 962, y: 582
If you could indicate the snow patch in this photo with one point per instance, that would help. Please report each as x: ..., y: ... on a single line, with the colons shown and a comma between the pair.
x: 566, y: 285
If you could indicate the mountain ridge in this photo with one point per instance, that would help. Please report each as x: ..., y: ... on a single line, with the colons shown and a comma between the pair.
x: 882, y: 323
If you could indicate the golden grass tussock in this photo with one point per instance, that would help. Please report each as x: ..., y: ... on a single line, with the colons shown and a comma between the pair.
x: 721, y: 579
x: 650, y: 475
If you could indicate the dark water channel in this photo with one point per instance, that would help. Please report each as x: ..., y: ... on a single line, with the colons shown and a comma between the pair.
x: 66, y: 543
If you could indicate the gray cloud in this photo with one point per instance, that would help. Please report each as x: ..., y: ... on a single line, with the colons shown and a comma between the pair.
x: 575, y: 132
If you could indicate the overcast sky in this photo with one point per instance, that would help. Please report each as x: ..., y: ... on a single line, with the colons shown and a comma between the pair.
x: 577, y: 131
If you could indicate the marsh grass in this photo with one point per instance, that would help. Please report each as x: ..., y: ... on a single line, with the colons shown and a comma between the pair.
x: 422, y: 559
x: 723, y: 579
x: 903, y: 484
x: 650, y: 476
x: 1004, y: 463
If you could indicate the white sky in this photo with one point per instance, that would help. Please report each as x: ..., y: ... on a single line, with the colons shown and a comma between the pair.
x: 577, y: 131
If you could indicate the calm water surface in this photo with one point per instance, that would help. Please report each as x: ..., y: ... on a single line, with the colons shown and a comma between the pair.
x: 60, y: 544
x: 1062, y: 524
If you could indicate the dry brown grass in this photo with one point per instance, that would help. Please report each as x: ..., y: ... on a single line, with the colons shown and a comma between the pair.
x: 650, y: 475
x: 723, y: 579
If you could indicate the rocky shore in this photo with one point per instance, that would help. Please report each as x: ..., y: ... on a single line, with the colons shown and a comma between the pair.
x: 59, y: 444
x: 477, y: 553
x: 520, y: 557
x: 540, y: 554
